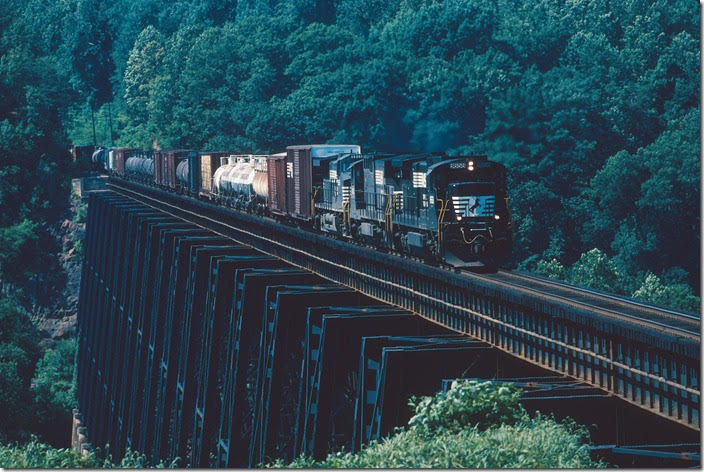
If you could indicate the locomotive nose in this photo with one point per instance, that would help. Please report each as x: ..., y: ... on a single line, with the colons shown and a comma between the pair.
x: 478, y: 246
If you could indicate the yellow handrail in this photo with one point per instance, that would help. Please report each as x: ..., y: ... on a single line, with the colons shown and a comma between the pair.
x: 389, y: 215
x: 441, y: 216
x: 312, y: 202
x: 346, y: 212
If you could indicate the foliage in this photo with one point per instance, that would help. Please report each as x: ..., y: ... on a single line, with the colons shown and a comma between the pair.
x: 537, y: 443
x: 37, y: 455
x: 464, y: 427
x: 466, y: 403
x: 676, y: 295
x: 552, y: 269
x: 18, y: 355
x: 54, y: 389
x: 595, y: 269
x: 18, y: 241
x: 81, y: 212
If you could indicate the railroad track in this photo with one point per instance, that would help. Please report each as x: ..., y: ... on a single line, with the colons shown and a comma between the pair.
x: 678, y: 322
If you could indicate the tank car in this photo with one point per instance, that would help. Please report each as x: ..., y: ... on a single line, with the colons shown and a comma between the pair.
x: 241, y: 182
x: 139, y: 166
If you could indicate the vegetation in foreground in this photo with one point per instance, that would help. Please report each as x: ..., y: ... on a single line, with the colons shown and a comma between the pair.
x: 38, y: 455
x: 474, y: 424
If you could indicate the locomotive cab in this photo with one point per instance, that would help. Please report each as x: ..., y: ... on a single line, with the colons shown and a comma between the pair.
x: 474, y: 219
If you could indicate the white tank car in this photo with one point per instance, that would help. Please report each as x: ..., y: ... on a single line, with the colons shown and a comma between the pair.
x: 241, y: 176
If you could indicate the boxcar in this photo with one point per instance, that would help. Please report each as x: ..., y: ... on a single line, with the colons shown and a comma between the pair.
x: 276, y: 174
x: 120, y: 156
x: 209, y: 162
x: 306, y: 165
x: 171, y: 160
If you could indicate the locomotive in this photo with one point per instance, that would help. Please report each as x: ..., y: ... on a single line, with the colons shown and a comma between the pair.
x: 428, y: 205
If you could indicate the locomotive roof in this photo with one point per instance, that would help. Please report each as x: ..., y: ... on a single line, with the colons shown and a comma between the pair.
x: 313, y: 146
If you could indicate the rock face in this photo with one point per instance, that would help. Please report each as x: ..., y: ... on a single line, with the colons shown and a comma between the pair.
x: 59, y: 328
x: 59, y: 320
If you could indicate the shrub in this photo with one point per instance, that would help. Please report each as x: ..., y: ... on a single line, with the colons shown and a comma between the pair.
x: 469, y: 403
x: 38, y: 455
x: 462, y: 428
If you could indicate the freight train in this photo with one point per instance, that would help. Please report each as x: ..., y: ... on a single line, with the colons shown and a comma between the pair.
x: 432, y: 206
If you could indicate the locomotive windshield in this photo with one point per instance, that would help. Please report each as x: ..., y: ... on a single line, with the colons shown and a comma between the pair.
x: 472, y: 199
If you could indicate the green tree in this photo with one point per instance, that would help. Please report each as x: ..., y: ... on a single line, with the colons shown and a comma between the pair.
x: 18, y: 355
x: 675, y: 295
x: 54, y: 391
x: 595, y: 269
x: 552, y: 269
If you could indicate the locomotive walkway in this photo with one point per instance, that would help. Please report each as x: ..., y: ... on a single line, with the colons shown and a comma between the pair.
x: 643, y: 355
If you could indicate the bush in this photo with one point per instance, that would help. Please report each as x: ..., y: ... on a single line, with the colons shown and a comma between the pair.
x: 462, y: 428
x: 77, y: 251
x: 37, y: 455
x: 54, y: 390
x: 81, y: 212
x: 18, y: 356
x: 480, y: 404
x: 673, y: 295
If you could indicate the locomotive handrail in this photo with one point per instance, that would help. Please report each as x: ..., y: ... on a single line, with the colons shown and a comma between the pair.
x: 389, y: 217
x: 441, y: 216
x: 312, y: 203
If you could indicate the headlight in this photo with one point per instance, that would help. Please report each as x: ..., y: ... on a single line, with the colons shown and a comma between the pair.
x: 497, y: 217
x: 470, y: 165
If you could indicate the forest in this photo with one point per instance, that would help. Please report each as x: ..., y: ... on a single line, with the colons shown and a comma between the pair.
x: 592, y: 105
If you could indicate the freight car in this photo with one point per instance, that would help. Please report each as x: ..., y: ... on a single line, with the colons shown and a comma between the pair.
x: 139, y: 166
x: 241, y: 182
x: 437, y: 207
x: 82, y: 156
x: 112, y: 159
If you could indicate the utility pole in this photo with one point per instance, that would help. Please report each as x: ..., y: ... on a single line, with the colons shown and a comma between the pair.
x: 112, y: 139
x: 92, y: 120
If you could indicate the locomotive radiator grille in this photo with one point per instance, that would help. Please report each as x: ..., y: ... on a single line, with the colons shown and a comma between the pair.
x: 474, y: 206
